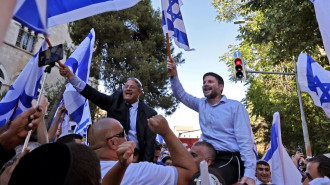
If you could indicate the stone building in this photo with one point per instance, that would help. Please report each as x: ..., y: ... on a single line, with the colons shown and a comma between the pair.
x: 20, y: 44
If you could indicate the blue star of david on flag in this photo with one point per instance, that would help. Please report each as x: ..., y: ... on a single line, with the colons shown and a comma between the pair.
x: 172, y: 23
x: 315, y: 80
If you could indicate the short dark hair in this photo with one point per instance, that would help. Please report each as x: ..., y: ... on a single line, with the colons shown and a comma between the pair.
x: 69, y: 138
x: 209, y: 146
x: 85, y: 165
x: 324, y: 164
x: 262, y: 162
x: 158, y: 146
x: 216, y: 76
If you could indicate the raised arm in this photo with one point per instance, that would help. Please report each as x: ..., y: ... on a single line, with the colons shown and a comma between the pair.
x: 125, y: 153
x: 42, y: 135
x: 179, y: 92
x: 182, y: 160
x: 58, y: 118
x: 101, y: 100
x: 18, y: 130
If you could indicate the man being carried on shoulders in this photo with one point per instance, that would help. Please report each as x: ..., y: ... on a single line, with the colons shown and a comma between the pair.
x: 225, y: 124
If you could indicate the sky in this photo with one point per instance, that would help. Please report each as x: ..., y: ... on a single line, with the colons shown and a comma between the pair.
x: 210, y: 39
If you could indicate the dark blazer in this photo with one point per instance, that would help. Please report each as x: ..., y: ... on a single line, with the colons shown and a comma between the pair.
x: 117, y: 109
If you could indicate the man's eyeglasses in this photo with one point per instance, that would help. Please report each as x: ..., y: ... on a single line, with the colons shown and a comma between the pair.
x: 120, y: 135
x: 130, y: 87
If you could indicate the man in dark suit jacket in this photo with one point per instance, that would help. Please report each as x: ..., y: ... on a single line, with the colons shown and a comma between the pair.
x: 125, y: 107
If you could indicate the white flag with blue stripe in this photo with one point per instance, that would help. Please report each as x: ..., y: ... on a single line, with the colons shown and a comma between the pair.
x: 79, y: 62
x: 315, y: 80
x: 39, y: 15
x: 160, y: 139
x: 23, y: 90
x: 322, y: 9
x: 172, y: 23
x: 282, y: 168
x: 81, y: 129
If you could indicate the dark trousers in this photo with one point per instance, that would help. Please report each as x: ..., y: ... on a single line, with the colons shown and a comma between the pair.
x: 230, y: 166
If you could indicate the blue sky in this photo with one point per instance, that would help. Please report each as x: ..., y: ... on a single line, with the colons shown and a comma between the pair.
x: 210, y: 40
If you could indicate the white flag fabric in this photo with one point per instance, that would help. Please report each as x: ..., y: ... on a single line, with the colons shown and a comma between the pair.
x: 23, y: 90
x: 160, y: 139
x: 81, y: 129
x: 172, y: 23
x: 79, y: 62
x: 282, y: 167
x: 39, y: 15
x: 315, y: 80
x: 322, y: 9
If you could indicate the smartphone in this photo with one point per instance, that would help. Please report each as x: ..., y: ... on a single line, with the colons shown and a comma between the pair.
x: 51, y: 55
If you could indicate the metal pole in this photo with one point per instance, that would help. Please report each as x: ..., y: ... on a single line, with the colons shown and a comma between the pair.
x: 27, y: 139
x: 304, y: 125
x: 266, y: 72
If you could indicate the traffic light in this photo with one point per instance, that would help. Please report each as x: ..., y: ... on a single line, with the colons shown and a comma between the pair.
x: 239, y: 70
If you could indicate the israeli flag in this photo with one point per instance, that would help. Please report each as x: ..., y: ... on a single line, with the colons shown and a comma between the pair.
x: 172, y: 23
x: 23, y: 90
x: 81, y: 129
x: 322, y: 9
x: 79, y: 62
x: 160, y: 139
x: 315, y: 80
x: 63, y: 123
x: 282, y: 168
x: 38, y: 15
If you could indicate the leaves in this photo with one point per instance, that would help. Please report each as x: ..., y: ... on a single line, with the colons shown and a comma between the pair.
x: 274, y: 34
x: 130, y: 43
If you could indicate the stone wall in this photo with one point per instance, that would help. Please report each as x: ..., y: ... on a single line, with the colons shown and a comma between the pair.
x: 13, y: 59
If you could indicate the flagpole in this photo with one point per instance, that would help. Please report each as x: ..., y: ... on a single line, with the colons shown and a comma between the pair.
x: 169, y: 53
x: 27, y: 139
x: 303, y: 119
x: 63, y: 114
x: 47, y: 70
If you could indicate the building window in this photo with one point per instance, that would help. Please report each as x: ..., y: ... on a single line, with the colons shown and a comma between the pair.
x: 26, y: 39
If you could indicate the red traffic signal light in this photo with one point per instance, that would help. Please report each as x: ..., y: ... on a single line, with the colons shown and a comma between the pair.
x: 238, y: 61
x: 239, y: 69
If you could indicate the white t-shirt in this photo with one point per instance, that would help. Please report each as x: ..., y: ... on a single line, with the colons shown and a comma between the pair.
x: 144, y: 173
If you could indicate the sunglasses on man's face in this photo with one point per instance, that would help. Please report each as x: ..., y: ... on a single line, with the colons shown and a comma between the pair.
x: 120, y: 135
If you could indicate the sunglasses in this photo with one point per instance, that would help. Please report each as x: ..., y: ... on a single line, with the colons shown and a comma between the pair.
x: 120, y: 135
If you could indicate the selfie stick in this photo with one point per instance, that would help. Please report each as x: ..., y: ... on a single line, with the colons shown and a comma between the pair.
x: 47, y: 71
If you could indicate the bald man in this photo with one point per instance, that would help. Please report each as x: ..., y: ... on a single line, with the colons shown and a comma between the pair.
x: 202, y: 150
x: 108, y: 139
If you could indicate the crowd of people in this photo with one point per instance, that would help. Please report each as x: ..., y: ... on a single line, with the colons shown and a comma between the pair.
x: 121, y: 149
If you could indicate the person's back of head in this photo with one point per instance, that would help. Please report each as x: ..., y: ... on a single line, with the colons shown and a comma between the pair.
x: 58, y: 164
x: 85, y: 168
x: 323, y: 164
x: 70, y: 138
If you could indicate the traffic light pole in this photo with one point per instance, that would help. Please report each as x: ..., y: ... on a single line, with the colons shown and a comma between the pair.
x: 304, y: 124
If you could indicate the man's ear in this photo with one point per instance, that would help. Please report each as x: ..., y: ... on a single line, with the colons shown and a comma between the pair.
x: 209, y: 161
x: 112, y: 144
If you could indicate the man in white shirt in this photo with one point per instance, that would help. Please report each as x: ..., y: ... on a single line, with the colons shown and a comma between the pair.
x: 108, y: 139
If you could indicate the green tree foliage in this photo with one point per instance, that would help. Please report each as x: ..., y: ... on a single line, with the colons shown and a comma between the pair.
x: 275, y: 33
x: 130, y: 43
